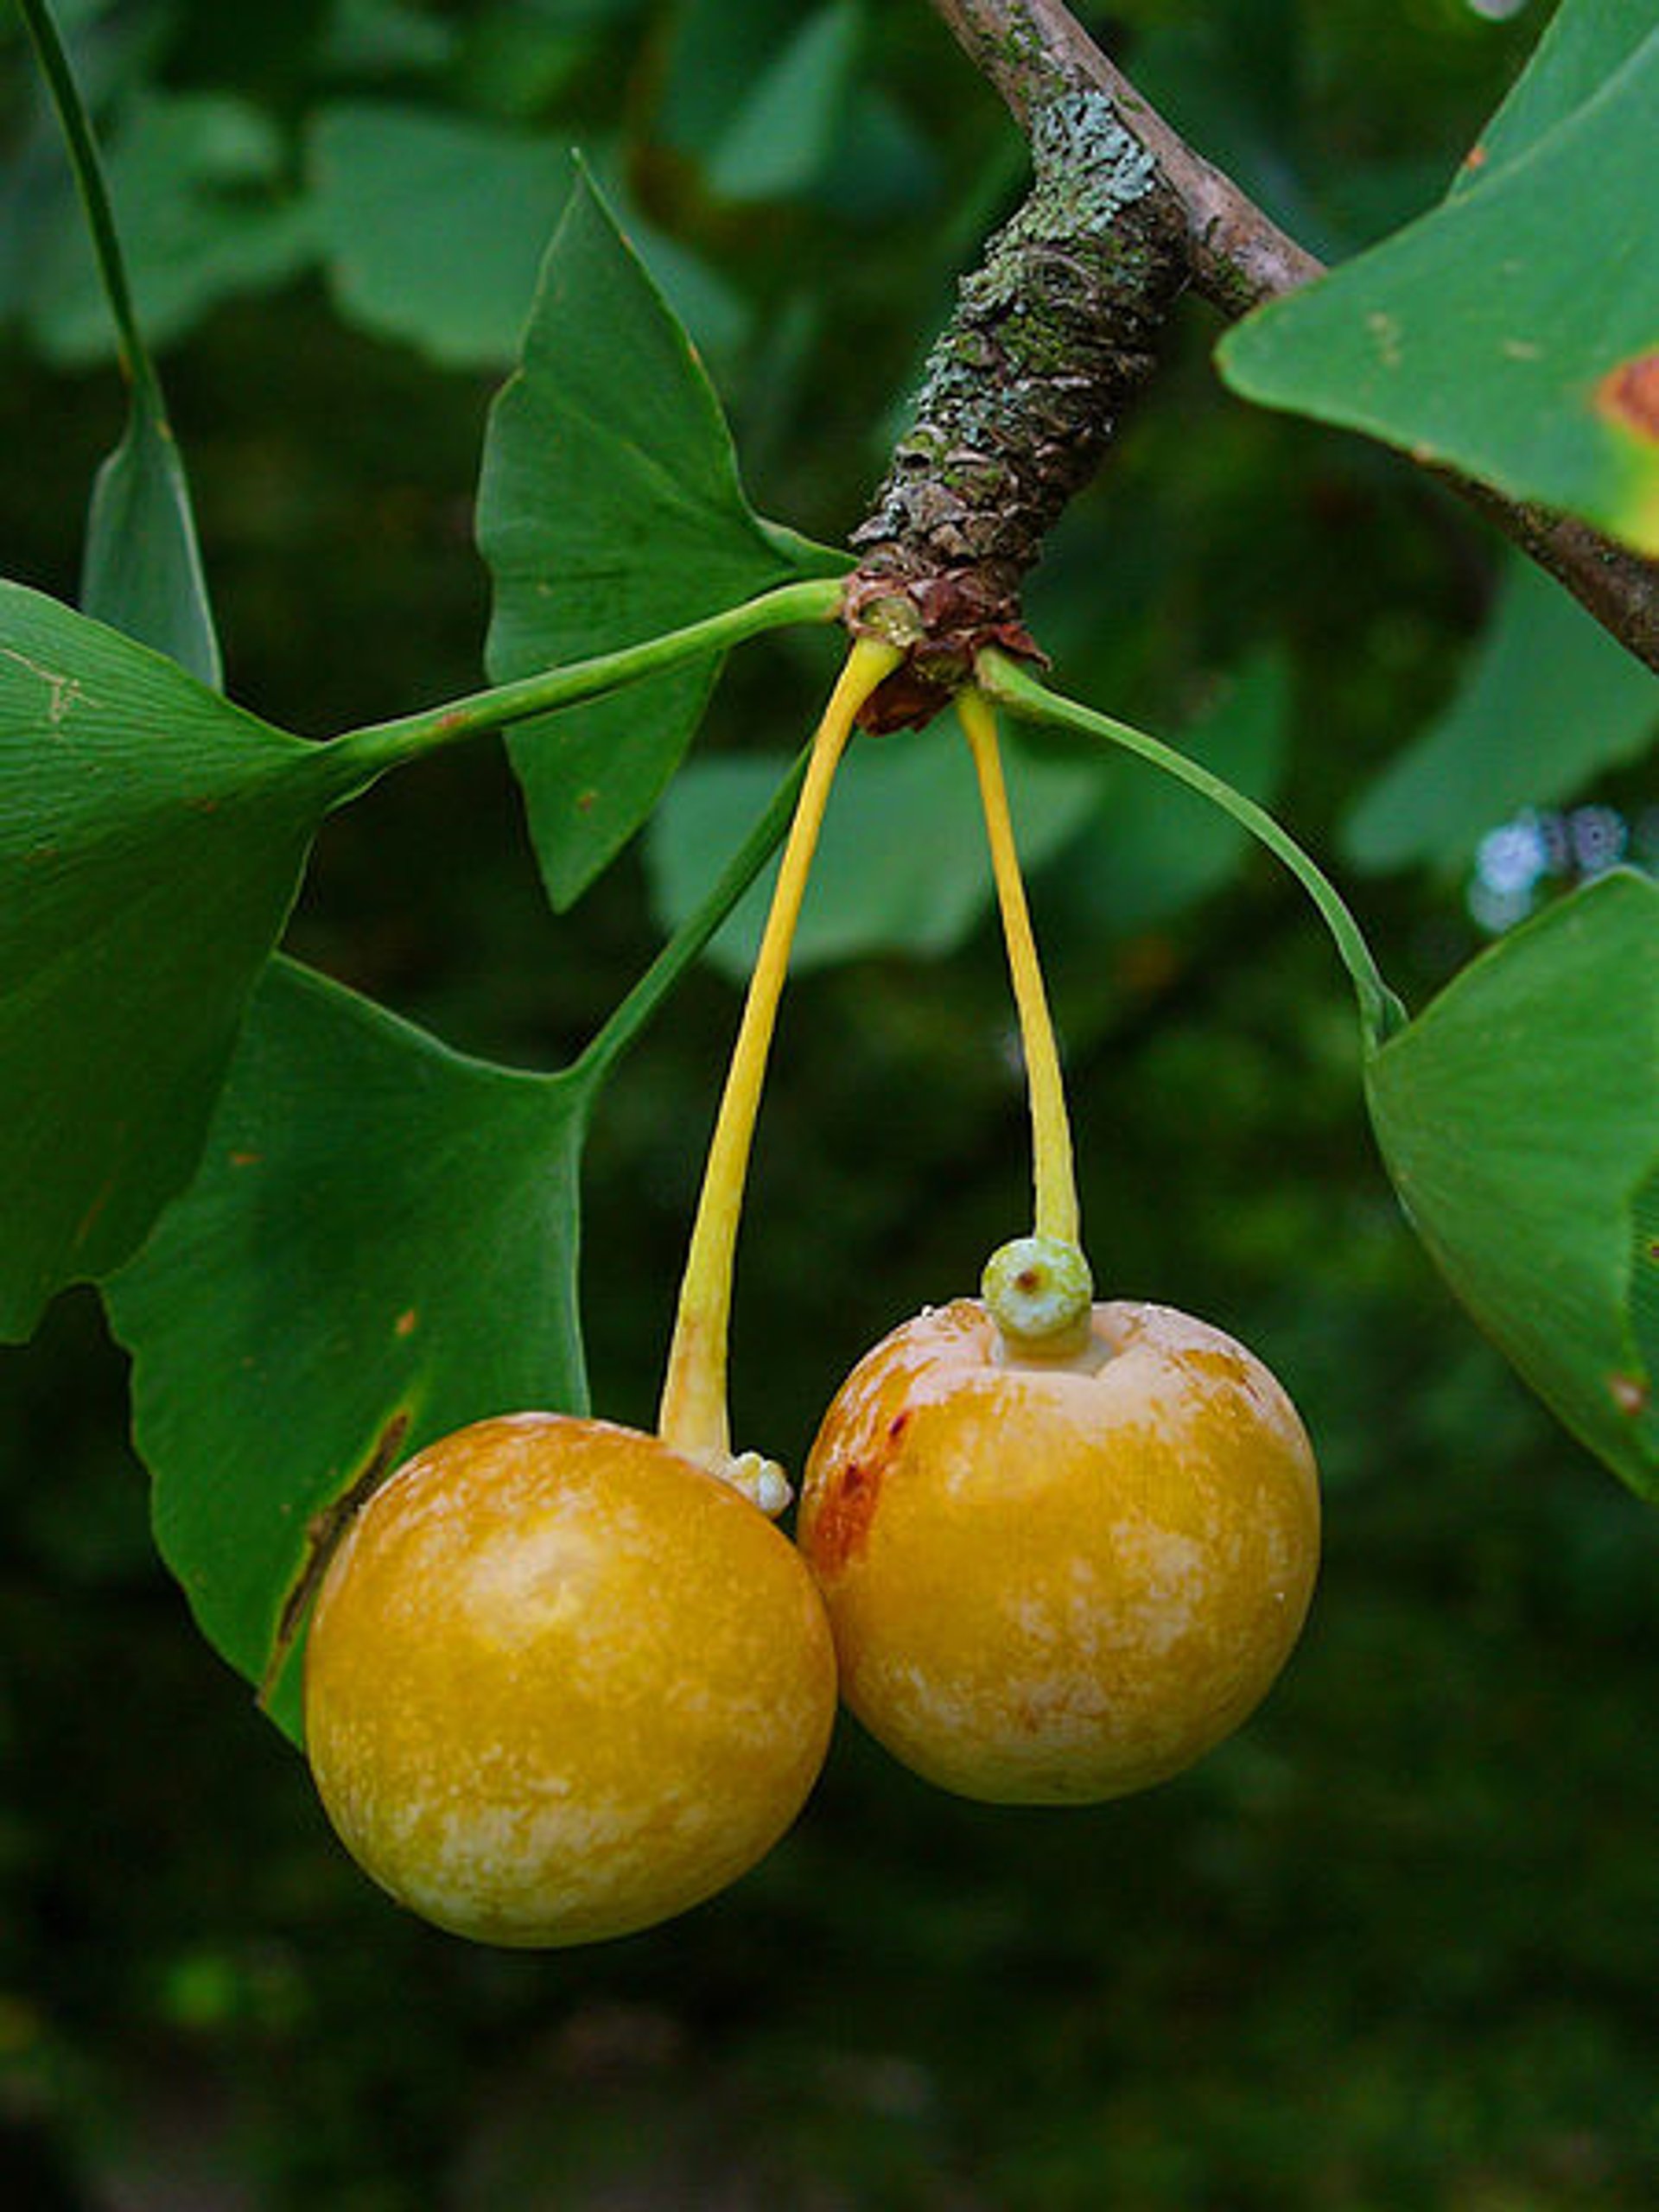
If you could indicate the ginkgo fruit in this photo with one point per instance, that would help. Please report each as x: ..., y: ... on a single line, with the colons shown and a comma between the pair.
x: 561, y: 1683
x: 1053, y: 1582
x: 1066, y: 1546
x: 564, y: 1679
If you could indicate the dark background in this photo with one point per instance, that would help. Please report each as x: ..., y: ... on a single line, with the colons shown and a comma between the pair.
x: 1396, y: 1944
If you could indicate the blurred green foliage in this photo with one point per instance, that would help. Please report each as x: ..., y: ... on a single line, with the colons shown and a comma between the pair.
x: 1399, y: 1943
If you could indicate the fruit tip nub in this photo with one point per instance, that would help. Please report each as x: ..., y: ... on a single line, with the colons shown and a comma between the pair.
x: 1039, y: 1292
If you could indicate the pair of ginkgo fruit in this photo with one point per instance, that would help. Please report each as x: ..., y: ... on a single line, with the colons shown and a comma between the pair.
x: 564, y: 1679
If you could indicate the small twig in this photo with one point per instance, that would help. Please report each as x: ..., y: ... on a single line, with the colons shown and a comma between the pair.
x: 1035, y: 52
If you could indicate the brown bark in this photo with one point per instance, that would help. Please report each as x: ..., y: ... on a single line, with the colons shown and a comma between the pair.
x: 1035, y: 53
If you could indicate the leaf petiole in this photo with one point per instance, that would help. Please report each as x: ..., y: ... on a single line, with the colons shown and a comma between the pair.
x: 369, y: 752
x: 1381, y: 1012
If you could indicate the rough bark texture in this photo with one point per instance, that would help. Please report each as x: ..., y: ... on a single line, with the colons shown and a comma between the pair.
x: 1034, y: 50
x: 1053, y: 334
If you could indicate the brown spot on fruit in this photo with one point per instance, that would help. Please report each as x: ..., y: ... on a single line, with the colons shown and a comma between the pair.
x: 841, y: 1530
x: 1629, y: 396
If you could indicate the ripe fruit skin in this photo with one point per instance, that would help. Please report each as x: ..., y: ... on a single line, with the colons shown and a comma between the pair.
x: 1057, y: 1583
x: 561, y: 1683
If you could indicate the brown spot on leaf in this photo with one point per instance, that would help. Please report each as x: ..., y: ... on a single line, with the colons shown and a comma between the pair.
x: 1629, y: 1393
x: 245, y: 1158
x: 841, y: 1531
x: 1476, y: 158
x: 1629, y: 396
x: 406, y: 1323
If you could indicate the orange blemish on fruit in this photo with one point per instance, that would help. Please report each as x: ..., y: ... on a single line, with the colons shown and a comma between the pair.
x: 843, y: 1528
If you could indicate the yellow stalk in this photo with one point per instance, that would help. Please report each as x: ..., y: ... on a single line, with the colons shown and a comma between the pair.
x: 693, y: 1417
x: 1055, y: 1179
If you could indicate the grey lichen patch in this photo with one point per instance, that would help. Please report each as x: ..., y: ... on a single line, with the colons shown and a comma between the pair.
x: 1053, y: 334
x: 1085, y: 161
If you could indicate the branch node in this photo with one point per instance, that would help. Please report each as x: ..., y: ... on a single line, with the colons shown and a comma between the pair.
x: 1054, y: 333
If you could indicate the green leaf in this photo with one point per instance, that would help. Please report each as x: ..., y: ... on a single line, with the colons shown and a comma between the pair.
x: 1517, y: 1118
x: 784, y: 134
x: 1512, y: 333
x: 610, y: 509
x: 895, y: 798
x: 151, y: 838
x: 1585, y: 43
x: 1154, y: 849
x: 431, y: 225
x: 142, y: 570
x: 381, y: 1246
x: 199, y: 179
x: 1547, y: 702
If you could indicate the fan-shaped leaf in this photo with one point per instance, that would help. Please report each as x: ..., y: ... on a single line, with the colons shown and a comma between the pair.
x: 1519, y: 1118
x: 610, y: 510
x: 1585, y: 43
x: 380, y: 1246
x: 151, y: 840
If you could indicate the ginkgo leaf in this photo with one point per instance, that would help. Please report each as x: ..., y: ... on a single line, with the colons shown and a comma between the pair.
x: 380, y: 1246
x: 1519, y: 1118
x: 1512, y: 332
x: 152, y: 837
x: 610, y: 509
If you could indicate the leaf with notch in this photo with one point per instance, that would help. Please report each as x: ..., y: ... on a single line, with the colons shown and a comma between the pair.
x: 381, y: 1246
x: 1519, y: 1118
x: 610, y: 510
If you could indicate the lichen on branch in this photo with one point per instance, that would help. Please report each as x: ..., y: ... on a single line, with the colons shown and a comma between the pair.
x: 1053, y: 334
